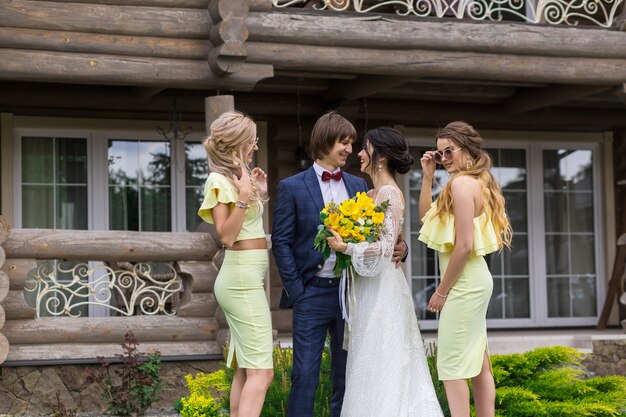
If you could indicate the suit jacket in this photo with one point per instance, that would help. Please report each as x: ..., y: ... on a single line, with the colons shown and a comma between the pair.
x: 296, y: 217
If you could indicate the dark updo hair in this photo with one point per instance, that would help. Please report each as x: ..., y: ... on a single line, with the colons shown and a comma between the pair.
x: 388, y: 143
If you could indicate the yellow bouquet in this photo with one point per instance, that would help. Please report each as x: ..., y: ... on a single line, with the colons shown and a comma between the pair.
x: 355, y: 220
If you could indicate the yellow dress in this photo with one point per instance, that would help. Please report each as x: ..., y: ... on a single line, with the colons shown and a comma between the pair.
x: 239, y: 287
x: 462, y: 336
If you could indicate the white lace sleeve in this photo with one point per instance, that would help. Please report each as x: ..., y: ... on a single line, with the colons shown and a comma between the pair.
x: 369, y: 258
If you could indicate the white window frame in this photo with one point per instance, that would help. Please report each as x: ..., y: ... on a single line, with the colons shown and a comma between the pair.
x: 534, y: 143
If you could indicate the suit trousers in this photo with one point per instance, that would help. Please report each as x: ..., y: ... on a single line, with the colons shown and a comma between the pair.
x: 316, y: 313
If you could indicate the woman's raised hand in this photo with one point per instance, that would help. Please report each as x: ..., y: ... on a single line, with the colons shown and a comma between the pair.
x: 244, y: 184
x: 428, y: 164
x: 259, y: 177
x: 335, y: 242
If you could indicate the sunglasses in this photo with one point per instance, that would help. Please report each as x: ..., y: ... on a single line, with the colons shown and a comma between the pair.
x: 448, y: 153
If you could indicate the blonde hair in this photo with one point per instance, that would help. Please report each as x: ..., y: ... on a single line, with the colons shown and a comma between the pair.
x: 478, y: 166
x: 224, y: 147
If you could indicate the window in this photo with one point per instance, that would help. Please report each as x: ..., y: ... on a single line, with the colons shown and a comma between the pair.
x: 140, y: 187
x: 196, y: 173
x: 54, y: 183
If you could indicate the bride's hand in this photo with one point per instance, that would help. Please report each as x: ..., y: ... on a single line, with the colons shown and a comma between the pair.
x: 335, y: 242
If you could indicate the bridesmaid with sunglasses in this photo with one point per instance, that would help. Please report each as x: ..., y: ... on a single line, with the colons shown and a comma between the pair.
x: 465, y: 223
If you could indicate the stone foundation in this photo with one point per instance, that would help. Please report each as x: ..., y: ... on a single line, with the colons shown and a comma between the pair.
x: 609, y: 357
x: 32, y: 390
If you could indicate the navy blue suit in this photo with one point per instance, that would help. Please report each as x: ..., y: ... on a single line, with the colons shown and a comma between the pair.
x: 315, y: 308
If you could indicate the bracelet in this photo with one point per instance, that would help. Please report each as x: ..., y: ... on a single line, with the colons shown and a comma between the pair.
x: 442, y: 296
x: 242, y: 205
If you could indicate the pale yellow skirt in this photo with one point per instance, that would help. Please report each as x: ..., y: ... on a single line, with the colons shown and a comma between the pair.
x: 239, y: 292
x: 462, y: 336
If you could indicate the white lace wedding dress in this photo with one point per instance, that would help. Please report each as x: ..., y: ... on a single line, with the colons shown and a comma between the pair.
x: 386, y: 373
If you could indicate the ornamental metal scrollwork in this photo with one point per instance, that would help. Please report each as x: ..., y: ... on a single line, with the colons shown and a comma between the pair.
x: 554, y: 12
x: 132, y: 290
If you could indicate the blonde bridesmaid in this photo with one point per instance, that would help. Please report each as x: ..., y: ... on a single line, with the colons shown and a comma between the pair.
x: 233, y: 200
x: 465, y: 223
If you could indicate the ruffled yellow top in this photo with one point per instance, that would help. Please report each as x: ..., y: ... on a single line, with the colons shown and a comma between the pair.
x: 218, y: 189
x: 440, y: 235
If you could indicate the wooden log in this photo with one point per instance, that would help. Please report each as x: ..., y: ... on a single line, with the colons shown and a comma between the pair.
x: 202, y: 275
x: 5, y: 230
x: 53, y: 330
x: 2, y: 256
x: 4, y: 348
x: 85, y: 245
x: 226, y: 9
x: 260, y: 5
x: 96, y: 44
x: 363, y: 86
x: 2, y: 317
x: 182, y: 4
x: 197, y: 305
x: 4, y: 286
x: 16, y: 65
x: 398, y: 33
x: 15, y: 307
x: 441, y: 64
x: 215, y: 106
x: 488, y: 115
x: 26, y: 354
x: 227, y: 58
x: 537, y: 98
x: 229, y: 30
x: 105, y: 18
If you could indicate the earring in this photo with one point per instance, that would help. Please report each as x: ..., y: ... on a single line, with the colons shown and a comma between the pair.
x: 380, y: 167
x: 236, y: 162
x: 469, y: 164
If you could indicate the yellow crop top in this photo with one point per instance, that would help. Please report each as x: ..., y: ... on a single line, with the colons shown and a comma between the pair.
x: 440, y: 235
x: 218, y: 189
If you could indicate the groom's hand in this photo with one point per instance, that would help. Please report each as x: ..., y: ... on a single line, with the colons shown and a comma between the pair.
x: 400, y: 250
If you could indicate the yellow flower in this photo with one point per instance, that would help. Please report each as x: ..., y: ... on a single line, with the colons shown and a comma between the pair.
x: 333, y: 221
x: 344, y: 231
x: 325, y: 210
x: 347, y: 223
x: 378, y: 217
x: 367, y: 230
x: 363, y: 201
x: 349, y: 208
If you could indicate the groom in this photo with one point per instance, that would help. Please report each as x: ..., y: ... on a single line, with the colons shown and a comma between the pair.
x: 309, y: 286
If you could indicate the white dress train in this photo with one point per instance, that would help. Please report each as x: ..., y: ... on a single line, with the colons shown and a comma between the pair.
x: 386, y: 374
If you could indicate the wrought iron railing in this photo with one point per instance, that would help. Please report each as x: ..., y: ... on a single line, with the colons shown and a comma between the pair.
x: 554, y: 12
x: 65, y: 289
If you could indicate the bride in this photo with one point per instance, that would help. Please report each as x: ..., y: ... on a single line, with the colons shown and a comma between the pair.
x: 386, y: 372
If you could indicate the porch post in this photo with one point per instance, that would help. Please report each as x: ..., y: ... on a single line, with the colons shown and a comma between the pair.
x: 214, y: 106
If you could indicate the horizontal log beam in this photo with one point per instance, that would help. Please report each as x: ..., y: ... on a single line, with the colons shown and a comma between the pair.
x: 197, y: 305
x: 91, y: 351
x: 111, y: 19
x: 537, y: 98
x: 201, y: 274
x: 256, y: 5
x: 15, y: 306
x: 5, y: 286
x: 119, y: 70
x: 406, y: 34
x: 17, y: 271
x: 491, y: 116
x: 181, y: 4
x: 82, y: 245
x: 620, y: 92
x: 363, y: 86
x: 54, y: 330
x: 440, y: 64
x: 103, y: 44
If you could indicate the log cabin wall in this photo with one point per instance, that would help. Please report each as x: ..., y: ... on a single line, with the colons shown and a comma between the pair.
x: 191, y: 331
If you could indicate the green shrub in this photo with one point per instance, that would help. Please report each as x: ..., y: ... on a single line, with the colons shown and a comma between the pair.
x: 546, y: 382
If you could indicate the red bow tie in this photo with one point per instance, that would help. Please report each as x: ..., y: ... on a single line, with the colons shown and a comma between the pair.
x: 327, y: 176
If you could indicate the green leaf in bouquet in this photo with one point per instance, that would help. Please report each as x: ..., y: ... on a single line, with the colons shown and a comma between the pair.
x: 382, y: 206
